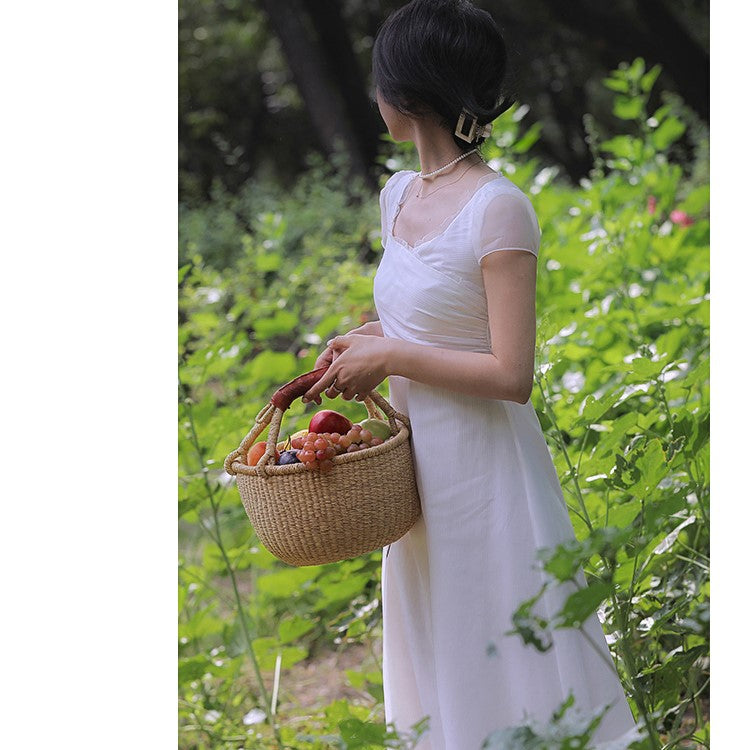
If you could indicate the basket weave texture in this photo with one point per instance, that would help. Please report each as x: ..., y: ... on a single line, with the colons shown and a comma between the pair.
x: 369, y: 498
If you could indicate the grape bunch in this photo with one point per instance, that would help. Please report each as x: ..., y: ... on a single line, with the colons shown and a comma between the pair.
x: 317, y: 450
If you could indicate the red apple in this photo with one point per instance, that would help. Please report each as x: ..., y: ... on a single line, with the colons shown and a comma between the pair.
x: 328, y: 420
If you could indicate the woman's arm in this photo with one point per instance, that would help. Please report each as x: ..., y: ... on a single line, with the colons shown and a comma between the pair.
x: 363, y: 361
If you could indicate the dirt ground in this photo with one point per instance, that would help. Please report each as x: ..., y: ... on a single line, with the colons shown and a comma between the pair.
x: 315, y: 683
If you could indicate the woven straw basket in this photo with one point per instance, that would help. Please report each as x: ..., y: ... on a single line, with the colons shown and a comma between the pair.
x: 367, y: 500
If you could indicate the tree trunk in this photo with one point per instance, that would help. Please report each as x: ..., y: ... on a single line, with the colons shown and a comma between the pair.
x: 308, y: 66
x: 654, y: 34
x: 687, y: 63
x: 344, y: 68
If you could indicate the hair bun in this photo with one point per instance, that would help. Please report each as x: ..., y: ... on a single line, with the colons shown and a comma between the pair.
x: 446, y: 57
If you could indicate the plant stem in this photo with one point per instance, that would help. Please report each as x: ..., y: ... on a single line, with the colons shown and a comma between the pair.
x: 243, y: 619
x: 627, y: 656
x: 625, y: 651
x: 667, y: 409
x: 573, y: 473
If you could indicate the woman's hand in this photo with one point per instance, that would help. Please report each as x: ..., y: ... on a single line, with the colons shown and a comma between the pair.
x: 325, y: 359
x: 358, y: 363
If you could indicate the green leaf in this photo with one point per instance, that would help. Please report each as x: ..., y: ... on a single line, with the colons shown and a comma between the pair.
x: 341, y: 591
x: 201, y: 624
x: 583, y: 603
x: 267, y: 262
x: 360, y: 290
x: 529, y: 626
x: 627, y: 107
x: 329, y: 326
x: 286, y: 582
x: 636, y: 70
x: 622, y: 146
x: 361, y: 734
x: 647, y: 81
x: 594, y: 409
x: 267, y: 650
x: 281, y: 323
x: 192, y: 668
x: 291, y: 630
x: 616, y: 84
x: 356, y: 678
x: 185, y: 505
x: 652, y: 464
x: 667, y: 132
x: 697, y: 201
x: 528, y: 138
x: 564, y: 561
x: 271, y: 367
x: 645, y: 369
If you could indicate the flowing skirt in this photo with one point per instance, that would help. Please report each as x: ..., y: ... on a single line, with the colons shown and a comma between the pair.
x: 490, y: 499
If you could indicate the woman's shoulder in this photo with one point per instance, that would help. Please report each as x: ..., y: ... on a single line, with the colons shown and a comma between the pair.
x: 503, y: 185
x: 503, y: 192
x: 396, y: 178
x: 393, y: 187
x: 390, y: 191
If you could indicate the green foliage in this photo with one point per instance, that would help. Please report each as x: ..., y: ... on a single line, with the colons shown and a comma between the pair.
x: 622, y: 392
x: 568, y: 729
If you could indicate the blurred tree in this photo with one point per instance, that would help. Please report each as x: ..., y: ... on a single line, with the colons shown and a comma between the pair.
x: 263, y: 83
x: 318, y: 48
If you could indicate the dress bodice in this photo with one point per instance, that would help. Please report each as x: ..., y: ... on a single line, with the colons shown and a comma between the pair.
x: 433, y: 292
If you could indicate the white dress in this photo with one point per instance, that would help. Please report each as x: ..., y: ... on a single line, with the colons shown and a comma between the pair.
x: 490, y: 498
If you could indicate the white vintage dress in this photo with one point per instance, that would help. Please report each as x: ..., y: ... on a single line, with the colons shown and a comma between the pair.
x: 490, y: 498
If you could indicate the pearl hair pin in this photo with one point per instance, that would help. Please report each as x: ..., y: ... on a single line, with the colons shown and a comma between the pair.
x: 449, y: 164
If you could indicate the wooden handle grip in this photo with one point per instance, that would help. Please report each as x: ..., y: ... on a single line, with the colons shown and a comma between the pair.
x: 297, y: 387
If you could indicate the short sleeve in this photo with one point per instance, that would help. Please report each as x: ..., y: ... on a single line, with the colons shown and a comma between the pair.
x: 508, y: 223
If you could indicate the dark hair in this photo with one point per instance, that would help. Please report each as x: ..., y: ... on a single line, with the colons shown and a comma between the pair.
x: 443, y: 56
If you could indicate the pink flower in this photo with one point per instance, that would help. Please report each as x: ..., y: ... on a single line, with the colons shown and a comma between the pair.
x: 681, y: 218
x: 651, y: 204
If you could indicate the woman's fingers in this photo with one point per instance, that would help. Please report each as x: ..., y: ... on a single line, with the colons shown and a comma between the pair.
x: 332, y: 392
x: 348, y: 393
x: 313, y: 394
x: 326, y: 358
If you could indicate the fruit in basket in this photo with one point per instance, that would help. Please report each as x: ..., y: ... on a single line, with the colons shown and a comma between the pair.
x: 316, y: 449
x: 256, y: 452
x: 297, y: 439
x: 288, y: 457
x: 330, y: 421
x: 376, y: 428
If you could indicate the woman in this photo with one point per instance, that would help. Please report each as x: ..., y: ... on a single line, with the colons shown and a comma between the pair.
x: 455, y: 294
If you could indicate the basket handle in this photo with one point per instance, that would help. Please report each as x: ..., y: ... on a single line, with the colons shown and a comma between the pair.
x: 283, y: 397
x: 297, y: 387
x: 273, y: 412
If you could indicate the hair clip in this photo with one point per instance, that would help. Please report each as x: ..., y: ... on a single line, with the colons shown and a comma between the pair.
x: 474, y: 129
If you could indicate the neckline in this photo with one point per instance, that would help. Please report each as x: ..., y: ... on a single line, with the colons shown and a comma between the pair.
x: 399, y: 205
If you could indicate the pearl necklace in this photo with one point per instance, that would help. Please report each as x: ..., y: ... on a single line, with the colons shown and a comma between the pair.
x: 449, y: 164
x: 422, y: 186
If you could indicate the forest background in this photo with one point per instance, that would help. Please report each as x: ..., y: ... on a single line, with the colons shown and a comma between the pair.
x: 281, y: 156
